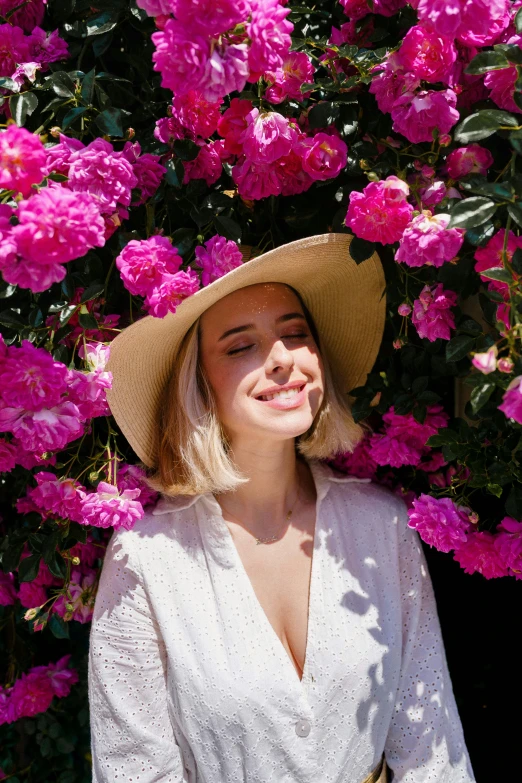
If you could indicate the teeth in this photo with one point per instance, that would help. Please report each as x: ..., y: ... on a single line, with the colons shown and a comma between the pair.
x: 282, y: 394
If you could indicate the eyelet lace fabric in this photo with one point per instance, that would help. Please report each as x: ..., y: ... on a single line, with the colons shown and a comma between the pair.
x: 189, y: 682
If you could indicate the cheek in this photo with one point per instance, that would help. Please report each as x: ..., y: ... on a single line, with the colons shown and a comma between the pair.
x: 228, y: 381
x: 311, y: 363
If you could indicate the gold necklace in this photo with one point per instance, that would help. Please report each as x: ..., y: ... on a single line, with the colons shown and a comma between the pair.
x: 271, y: 538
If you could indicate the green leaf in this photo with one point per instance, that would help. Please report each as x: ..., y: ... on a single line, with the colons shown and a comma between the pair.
x: 50, y: 544
x: 73, y: 115
x: 459, y: 347
x: 228, y: 228
x: 57, y: 566
x: 28, y: 568
x: 323, y: 114
x: 174, y: 175
x: 487, y: 61
x: 87, y: 321
x: 511, y: 52
x: 110, y: 121
x: 62, y: 84
x: 186, y: 149
x: 7, y: 290
x: 480, y: 395
x: 88, y: 86
x: 471, y: 212
x: 483, y: 124
x: 497, y: 190
x: 361, y: 249
x: 101, y: 23
x: 516, y: 261
x: 494, y: 489
x: 515, y: 210
x: 8, y: 84
x: 11, y: 319
x: 58, y: 627
x: 92, y: 291
x: 64, y: 746
x: 11, y: 555
x: 514, y: 500
x: 496, y: 273
x: 480, y: 235
x: 101, y: 43
x: 22, y: 106
x: 183, y: 239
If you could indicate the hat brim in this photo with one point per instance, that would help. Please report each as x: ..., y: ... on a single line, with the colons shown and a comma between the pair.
x: 346, y: 300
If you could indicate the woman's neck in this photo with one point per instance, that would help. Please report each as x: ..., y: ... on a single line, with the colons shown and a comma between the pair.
x: 275, y: 479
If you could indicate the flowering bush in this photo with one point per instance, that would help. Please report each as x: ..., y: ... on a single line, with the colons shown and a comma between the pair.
x: 145, y: 146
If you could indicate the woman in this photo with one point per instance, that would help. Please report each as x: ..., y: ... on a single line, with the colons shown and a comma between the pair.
x: 269, y: 620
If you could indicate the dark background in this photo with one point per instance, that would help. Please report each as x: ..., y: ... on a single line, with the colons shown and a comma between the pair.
x: 479, y: 626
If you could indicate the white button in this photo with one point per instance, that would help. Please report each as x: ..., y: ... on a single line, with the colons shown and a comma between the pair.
x: 302, y: 728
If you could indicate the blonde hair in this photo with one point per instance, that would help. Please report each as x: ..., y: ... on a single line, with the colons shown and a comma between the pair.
x: 193, y: 453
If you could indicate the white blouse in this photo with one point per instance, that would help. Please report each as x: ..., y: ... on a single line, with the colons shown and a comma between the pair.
x: 188, y: 681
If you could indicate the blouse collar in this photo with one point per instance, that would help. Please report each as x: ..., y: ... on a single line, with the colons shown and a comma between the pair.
x: 323, y: 477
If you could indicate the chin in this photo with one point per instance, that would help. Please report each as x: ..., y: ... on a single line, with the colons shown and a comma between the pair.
x: 287, y: 427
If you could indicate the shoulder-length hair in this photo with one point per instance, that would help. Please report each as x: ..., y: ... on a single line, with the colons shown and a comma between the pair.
x: 193, y: 453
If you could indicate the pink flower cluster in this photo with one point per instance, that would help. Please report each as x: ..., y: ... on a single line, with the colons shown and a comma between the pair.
x: 22, y: 160
x: 439, y: 522
x: 285, y: 82
x: 204, y: 48
x: 472, y: 159
x: 417, y: 114
x: 274, y: 156
x: 54, y: 226
x: 403, y: 441
x: 472, y: 22
x: 357, y: 9
x: 491, y: 257
x: 432, y: 316
x: 27, y: 17
x: 22, y: 55
x: 359, y: 462
x: 35, y: 690
x: 151, y: 268
x: 109, y: 176
x: 61, y: 222
x: 427, y: 240
x: 446, y: 526
x: 108, y: 506
x: 217, y: 257
x: 512, y: 400
x: 381, y: 212
x: 43, y: 404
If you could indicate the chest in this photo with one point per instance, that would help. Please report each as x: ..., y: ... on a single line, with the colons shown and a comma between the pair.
x: 280, y: 575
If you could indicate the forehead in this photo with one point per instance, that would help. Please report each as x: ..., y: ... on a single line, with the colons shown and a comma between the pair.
x: 254, y: 302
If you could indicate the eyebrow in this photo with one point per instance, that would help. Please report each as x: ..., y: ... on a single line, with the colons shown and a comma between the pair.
x: 245, y: 327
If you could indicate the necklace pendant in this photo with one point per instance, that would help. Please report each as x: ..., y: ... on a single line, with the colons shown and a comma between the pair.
x: 265, y: 540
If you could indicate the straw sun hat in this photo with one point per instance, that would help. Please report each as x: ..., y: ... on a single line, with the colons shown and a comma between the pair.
x: 346, y: 301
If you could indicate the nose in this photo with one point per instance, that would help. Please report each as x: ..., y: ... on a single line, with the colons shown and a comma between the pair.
x: 279, y: 358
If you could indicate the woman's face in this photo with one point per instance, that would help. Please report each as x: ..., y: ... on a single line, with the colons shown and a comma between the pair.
x: 261, y: 360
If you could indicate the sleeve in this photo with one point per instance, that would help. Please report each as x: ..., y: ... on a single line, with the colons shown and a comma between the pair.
x: 425, y: 741
x: 131, y: 732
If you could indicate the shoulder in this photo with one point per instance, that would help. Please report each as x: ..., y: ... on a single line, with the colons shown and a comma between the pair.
x: 169, y: 520
x: 373, y: 505
x: 365, y: 490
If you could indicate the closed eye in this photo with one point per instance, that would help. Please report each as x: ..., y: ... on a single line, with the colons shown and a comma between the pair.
x: 238, y: 350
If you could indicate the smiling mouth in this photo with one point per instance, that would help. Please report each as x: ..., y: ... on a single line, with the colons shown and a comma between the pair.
x: 282, y: 395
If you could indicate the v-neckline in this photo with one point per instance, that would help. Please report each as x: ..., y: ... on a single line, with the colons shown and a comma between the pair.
x: 277, y: 644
